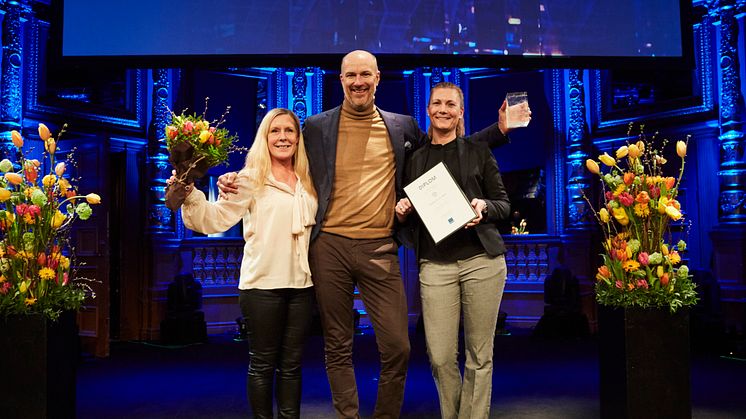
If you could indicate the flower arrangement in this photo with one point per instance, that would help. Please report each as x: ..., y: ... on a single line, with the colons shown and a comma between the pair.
x: 521, y: 229
x: 194, y: 144
x: 639, y: 267
x: 36, y: 214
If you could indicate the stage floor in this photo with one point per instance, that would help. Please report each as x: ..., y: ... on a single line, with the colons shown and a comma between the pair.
x: 533, y: 378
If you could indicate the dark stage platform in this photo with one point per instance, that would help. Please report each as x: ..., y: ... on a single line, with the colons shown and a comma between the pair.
x: 534, y: 378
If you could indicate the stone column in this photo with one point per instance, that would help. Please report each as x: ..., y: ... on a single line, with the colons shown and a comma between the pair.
x: 729, y: 237
x: 577, y: 225
x: 164, y: 227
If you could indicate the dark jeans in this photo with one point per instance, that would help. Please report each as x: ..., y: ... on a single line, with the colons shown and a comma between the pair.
x: 338, y: 264
x: 278, y: 322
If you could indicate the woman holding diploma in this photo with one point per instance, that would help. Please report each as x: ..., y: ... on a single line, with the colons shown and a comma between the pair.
x: 277, y: 202
x: 465, y: 272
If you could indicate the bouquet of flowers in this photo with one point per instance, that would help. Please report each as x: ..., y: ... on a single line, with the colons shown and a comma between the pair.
x: 194, y: 144
x: 639, y: 267
x: 36, y: 214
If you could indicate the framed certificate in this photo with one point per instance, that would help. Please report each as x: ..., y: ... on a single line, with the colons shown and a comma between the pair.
x: 440, y: 202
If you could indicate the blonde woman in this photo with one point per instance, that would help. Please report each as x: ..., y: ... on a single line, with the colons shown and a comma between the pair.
x: 277, y: 202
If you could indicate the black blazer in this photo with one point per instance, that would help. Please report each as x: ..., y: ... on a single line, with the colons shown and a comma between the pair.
x: 479, y: 177
x: 320, y: 133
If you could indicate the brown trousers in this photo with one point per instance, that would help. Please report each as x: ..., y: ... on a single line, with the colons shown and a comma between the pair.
x: 339, y: 264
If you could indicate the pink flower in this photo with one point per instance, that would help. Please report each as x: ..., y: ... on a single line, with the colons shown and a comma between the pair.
x: 609, y: 195
x: 626, y: 199
x: 188, y: 127
x: 619, y: 284
x: 655, y: 191
x: 641, y: 283
x: 643, y: 258
x: 65, y: 279
x: 5, y: 287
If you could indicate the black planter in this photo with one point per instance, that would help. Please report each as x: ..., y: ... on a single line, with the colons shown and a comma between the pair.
x: 645, y: 363
x: 38, y: 361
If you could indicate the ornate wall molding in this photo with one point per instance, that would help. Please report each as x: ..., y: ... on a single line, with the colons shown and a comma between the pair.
x: 704, y: 89
x: 36, y: 102
x: 11, y: 89
x: 556, y: 222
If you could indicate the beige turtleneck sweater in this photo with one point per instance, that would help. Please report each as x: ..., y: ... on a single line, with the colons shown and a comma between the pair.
x: 363, y: 194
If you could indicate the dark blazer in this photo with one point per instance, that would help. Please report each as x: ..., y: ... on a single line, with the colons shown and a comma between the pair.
x: 479, y: 177
x: 321, y: 131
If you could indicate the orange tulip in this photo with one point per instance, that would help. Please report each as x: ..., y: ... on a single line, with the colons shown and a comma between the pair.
x: 17, y: 139
x: 592, y: 166
x: 14, y: 178
x: 44, y: 132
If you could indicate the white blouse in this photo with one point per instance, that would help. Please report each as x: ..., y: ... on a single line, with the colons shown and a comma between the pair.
x: 277, y: 224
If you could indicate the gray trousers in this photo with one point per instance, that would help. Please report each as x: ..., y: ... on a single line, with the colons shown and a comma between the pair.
x: 475, y: 287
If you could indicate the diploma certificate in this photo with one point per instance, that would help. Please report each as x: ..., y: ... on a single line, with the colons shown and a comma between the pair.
x: 440, y: 203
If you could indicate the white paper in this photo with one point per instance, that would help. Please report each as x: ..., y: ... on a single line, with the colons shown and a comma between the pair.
x: 440, y: 203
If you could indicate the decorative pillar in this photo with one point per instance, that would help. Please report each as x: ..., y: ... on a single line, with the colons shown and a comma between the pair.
x: 729, y: 237
x: 11, y: 88
x: 578, y: 179
x: 300, y: 90
x: 160, y: 218
x: 576, y: 227
x: 165, y: 261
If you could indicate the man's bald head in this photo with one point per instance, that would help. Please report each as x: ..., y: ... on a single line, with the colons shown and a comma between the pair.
x: 358, y: 57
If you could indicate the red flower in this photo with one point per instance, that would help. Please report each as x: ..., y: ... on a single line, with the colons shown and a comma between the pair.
x: 626, y: 199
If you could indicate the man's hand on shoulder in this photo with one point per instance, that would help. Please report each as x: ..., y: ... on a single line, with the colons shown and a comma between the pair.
x: 227, y: 185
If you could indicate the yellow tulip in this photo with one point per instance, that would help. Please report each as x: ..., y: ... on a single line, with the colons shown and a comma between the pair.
x: 607, y: 159
x: 23, y: 287
x: 50, y: 145
x: 17, y: 139
x: 622, y: 152
x: 49, y: 180
x: 659, y: 271
x: 664, y: 249
x: 4, y: 195
x: 14, y: 178
x: 604, y: 215
x: 44, y: 133
x: 681, y: 149
x: 641, y: 145
x: 662, y: 204
x: 93, y: 198
x: 620, y: 215
x: 204, y: 136
x: 57, y: 219
x: 592, y: 166
x: 673, y: 213
x: 634, y: 151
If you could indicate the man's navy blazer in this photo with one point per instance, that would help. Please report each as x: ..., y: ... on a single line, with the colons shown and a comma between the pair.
x: 320, y: 133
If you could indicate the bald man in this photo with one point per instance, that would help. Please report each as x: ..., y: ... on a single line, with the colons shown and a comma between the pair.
x: 357, y: 154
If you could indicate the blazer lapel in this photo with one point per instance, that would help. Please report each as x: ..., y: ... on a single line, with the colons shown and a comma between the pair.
x: 396, y: 137
x: 330, y: 134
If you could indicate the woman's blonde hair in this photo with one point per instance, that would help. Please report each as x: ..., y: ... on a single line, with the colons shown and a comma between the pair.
x: 460, y: 130
x: 259, y: 161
